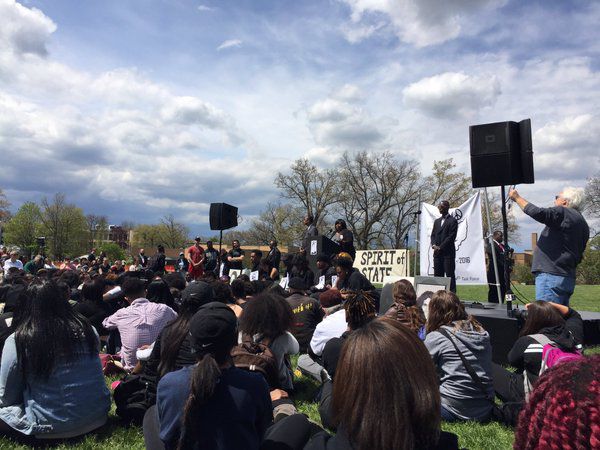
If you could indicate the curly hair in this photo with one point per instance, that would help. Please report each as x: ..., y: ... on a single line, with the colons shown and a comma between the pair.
x: 360, y: 309
x: 564, y: 408
x: 267, y: 314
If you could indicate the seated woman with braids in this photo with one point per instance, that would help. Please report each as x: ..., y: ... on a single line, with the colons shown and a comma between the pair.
x: 360, y: 310
x: 405, y: 309
x: 212, y: 404
x: 563, y: 410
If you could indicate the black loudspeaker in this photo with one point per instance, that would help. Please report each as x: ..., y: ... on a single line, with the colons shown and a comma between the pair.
x: 501, y: 154
x: 223, y: 216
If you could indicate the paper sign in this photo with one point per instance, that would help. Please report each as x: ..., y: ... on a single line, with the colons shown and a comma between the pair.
x: 321, y: 284
x: 284, y: 282
x: 313, y: 247
x: 333, y: 280
x: 254, y: 276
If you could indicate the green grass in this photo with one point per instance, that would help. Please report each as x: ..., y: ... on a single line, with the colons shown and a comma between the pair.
x: 585, y: 297
x: 115, y: 436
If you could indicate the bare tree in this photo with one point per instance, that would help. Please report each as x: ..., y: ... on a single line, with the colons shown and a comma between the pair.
x: 372, y: 188
x: 446, y: 184
x: 97, y: 228
x: 4, y: 211
x: 174, y: 234
x: 310, y: 187
x: 592, y: 193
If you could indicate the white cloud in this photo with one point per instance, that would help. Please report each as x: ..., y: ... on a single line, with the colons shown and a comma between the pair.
x: 452, y: 94
x: 24, y: 30
x: 342, y: 122
x: 418, y: 22
x: 230, y: 43
x: 205, y: 8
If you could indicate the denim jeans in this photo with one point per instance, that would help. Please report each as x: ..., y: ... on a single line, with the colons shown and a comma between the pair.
x: 554, y: 288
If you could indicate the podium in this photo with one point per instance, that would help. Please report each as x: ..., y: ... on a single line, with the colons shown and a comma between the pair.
x: 317, y: 245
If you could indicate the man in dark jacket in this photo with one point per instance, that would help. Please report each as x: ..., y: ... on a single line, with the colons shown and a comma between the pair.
x: 443, y: 236
x: 561, y: 245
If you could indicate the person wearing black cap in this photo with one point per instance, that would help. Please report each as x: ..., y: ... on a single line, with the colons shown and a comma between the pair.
x: 211, y: 404
x: 307, y: 313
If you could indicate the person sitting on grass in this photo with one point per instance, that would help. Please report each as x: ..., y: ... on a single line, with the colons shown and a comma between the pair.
x: 360, y: 310
x: 405, y: 309
x: 377, y: 404
x: 51, y: 382
x: 560, y: 324
x: 138, y: 324
x: 459, y: 347
x: 210, y: 404
x: 563, y: 410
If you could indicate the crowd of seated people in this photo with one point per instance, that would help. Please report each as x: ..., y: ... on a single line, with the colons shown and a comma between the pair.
x: 421, y: 362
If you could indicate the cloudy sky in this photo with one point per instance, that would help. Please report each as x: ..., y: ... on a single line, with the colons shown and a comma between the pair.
x: 139, y: 109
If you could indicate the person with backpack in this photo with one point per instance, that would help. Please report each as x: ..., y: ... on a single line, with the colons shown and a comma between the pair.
x: 562, y: 411
x: 462, y: 353
x: 546, y: 323
x: 211, y: 404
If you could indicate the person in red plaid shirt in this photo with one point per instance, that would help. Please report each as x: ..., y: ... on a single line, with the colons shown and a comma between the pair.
x: 138, y: 324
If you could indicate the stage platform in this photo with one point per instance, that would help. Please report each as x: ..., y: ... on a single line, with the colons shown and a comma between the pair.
x: 504, y: 330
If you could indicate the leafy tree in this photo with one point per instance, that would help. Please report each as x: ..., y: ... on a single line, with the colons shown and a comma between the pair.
x: 588, y: 271
x: 24, y: 227
x: 113, y: 251
x: 309, y: 187
x: 4, y: 211
x: 445, y: 183
x: 148, y: 236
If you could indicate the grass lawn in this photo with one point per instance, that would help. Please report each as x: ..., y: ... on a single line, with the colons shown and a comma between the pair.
x: 585, y: 297
x: 471, y: 435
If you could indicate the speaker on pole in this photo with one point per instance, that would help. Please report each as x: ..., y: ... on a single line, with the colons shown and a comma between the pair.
x: 223, y: 216
x: 501, y: 154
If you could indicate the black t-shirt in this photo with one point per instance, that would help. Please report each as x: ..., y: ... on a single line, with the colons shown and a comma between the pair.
x: 235, y: 253
x: 95, y: 313
x: 212, y: 259
x: 307, y: 315
x: 331, y: 353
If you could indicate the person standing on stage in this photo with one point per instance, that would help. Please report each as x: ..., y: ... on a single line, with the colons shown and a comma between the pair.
x: 491, y: 276
x: 443, y: 236
x: 196, y: 259
x: 235, y: 257
x: 143, y: 258
x: 345, y: 238
x: 211, y: 258
x: 561, y: 245
x: 311, y: 231
x: 274, y: 259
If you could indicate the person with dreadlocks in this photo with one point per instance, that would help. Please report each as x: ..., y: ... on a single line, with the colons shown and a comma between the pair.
x: 360, y: 310
x: 211, y: 404
x: 563, y: 410
x: 405, y: 309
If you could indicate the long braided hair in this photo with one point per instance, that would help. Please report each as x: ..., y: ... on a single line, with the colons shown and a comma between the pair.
x: 360, y: 308
x: 563, y: 410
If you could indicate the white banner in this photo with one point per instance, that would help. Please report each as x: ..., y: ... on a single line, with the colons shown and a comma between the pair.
x: 378, y: 264
x: 470, y: 256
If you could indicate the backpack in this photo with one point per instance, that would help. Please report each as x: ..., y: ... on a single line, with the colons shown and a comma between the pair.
x: 134, y: 395
x: 257, y: 357
x: 551, y: 356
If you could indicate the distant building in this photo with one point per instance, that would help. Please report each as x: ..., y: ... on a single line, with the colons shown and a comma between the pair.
x: 118, y: 235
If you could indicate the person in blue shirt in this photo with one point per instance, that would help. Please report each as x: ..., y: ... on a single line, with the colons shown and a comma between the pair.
x: 51, y: 381
x: 212, y: 404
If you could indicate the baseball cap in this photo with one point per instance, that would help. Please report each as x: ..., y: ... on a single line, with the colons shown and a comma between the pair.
x: 198, y: 292
x: 213, y: 326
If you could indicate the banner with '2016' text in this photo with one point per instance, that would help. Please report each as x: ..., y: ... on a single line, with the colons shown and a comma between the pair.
x: 470, y: 256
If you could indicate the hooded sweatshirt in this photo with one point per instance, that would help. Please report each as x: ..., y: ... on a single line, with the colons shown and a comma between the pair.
x: 526, y: 353
x: 460, y: 394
